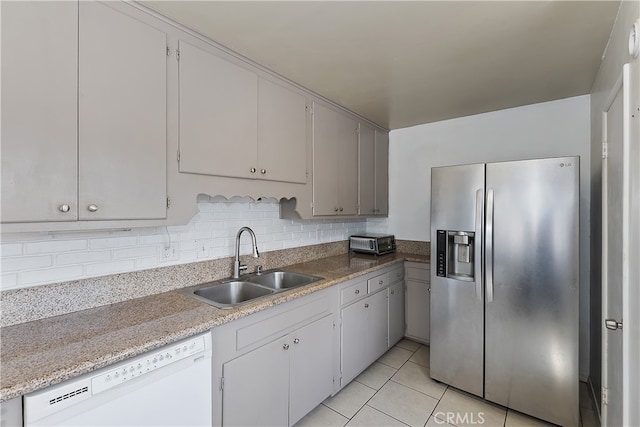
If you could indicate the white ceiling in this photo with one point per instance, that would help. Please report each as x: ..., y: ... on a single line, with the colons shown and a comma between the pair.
x: 403, y: 63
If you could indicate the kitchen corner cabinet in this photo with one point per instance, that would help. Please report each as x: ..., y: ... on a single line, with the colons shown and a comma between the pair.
x: 373, y: 171
x: 83, y: 114
x: 335, y: 163
x: 237, y: 124
x: 418, y: 299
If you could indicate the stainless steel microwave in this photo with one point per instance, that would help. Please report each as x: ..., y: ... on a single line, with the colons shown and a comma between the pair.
x: 372, y: 243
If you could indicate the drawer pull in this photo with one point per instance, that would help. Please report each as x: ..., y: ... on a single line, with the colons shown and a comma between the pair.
x: 366, y: 306
x: 357, y: 291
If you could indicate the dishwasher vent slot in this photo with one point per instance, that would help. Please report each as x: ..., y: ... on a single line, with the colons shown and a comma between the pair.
x: 68, y: 395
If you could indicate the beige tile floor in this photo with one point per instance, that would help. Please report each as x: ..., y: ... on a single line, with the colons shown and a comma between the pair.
x: 397, y: 391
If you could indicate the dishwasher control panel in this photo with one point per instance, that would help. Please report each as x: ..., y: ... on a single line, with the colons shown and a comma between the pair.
x: 143, y: 365
x: 51, y: 400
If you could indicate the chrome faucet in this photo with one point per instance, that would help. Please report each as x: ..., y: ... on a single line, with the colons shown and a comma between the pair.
x: 237, y: 267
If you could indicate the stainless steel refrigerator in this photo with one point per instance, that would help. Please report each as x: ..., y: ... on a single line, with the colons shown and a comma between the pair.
x: 504, y: 284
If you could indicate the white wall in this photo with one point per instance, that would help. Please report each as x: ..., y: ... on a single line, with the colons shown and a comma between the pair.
x: 550, y: 129
x: 31, y: 259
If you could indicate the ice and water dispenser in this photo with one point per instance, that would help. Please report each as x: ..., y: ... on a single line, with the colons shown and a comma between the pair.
x: 455, y: 255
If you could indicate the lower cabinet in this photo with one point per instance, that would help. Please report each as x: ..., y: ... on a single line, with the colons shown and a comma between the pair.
x: 273, y: 367
x: 396, y: 313
x: 418, y: 299
x: 372, y: 319
x: 364, y: 334
x: 256, y: 387
x: 280, y: 382
x: 310, y: 367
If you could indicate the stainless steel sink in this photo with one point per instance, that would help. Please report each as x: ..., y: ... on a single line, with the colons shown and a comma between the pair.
x: 282, y: 279
x: 229, y: 294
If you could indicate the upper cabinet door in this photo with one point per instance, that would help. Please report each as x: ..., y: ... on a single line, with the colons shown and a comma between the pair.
x: 325, y: 164
x: 366, y: 174
x: 122, y: 120
x: 382, y: 173
x: 218, y: 115
x: 347, y: 165
x: 39, y: 111
x: 282, y: 133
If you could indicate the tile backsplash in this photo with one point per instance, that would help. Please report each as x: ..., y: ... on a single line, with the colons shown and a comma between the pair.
x: 31, y: 259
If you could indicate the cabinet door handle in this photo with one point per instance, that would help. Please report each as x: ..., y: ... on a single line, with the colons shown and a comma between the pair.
x: 380, y: 282
x: 252, y: 170
x: 393, y: 292
x: 92, y: 208
x: 285, y: 347
x: 341, y: 209
x: 335, y: 209
x: 263, y: 171
x: 296, y: 340
x: 366, y: 306
x: 357, y: 291
x: 64, y: 208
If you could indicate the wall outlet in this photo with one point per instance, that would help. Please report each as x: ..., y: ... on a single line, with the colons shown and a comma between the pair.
x: 170, y: 252
x: 202, y: 246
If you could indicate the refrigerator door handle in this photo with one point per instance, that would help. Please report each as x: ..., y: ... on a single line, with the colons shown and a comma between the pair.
x: 488, y: 247
x: 478, y: 243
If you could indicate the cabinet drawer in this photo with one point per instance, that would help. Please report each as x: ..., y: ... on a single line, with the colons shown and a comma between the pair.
x: 353, y: 292
x: 279, y: 324
x: 414, y: 273
x: 396, y: 275
x: 378, y: 282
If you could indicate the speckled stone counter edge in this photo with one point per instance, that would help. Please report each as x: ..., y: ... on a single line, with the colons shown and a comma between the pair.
x: 84, y: 341
x: 29, y: 304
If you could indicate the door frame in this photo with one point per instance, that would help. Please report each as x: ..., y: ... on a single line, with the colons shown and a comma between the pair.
x: 630, y: 297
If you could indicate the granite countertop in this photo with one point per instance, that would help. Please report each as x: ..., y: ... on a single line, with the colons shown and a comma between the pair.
x: 44, y: 352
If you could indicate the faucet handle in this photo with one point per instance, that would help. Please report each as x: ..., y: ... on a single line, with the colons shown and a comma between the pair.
x: 242, y: 267
x: 258, y: 269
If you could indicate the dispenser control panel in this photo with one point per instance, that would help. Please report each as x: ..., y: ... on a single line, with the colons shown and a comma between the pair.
x: 441, y: 254
x: 455, y: 252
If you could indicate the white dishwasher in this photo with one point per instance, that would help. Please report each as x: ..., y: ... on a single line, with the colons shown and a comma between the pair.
x: 170, y: 386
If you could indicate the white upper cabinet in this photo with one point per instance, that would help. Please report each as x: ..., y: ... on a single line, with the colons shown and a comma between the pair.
x: 84, y: 110
x: 234, y: 123
x: 382, y: 173
x: 39, y: 111
x: 218, y: 115
x: 122, y: 116
x: 366, y: 172
x: 373, y: 176
x: 325, y: 161
x: 282, y: 133
x: 347, y: 165
x: 335, y: 163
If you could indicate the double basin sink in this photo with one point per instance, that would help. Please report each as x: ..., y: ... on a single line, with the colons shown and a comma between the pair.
x: 230, y: 293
